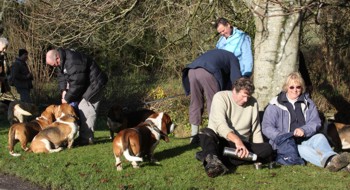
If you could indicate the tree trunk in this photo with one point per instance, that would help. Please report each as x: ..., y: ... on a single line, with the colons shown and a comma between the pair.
x: 276, y: 48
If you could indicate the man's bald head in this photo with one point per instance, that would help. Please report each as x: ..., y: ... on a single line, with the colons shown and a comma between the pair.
x: 53, y: 58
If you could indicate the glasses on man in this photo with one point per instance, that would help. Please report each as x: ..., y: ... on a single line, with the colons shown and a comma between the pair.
x: 297, y: 87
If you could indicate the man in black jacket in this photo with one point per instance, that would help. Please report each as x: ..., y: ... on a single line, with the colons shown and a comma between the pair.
x: 81, y: 82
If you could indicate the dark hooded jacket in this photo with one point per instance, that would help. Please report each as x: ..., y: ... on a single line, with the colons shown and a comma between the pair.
x: 20, y: 74
x: 277, y: 119
x: 79, y: 75
x: 222, y: 64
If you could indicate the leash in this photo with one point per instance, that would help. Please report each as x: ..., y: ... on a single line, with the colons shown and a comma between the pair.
x: 162, y: 99
x: 179, y: 138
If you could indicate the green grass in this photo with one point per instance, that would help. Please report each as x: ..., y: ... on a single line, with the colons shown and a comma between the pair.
x: 92, y: 167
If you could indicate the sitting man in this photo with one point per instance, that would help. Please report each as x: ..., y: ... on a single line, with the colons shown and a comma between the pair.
x: 233, y: 122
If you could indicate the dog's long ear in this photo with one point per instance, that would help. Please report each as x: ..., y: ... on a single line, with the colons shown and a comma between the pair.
x: 49, y: 113
x: 166, y: 127
x: 69, y: 110
x: 57, y: 111
x: 167, y: 123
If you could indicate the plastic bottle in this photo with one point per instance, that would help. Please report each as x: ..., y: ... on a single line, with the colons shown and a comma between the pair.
x: 231, y: 152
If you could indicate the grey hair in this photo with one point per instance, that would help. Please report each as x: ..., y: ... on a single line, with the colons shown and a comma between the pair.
x: 4, y: 41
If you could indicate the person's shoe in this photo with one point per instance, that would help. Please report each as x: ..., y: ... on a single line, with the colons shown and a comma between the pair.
x: 83, y: 142
x: 338, y: 162
x: 347, y: 168
x: 214, y: 167
x: 199, y: 156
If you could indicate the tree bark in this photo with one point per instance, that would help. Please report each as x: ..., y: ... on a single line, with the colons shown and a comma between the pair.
x: 276, y: 46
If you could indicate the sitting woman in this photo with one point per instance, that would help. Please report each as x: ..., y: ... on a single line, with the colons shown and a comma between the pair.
x: 291, y: 122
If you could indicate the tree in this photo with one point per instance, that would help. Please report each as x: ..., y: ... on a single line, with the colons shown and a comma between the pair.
x: 276, y: 45
x: 157, y: 35
x: 277, y: 40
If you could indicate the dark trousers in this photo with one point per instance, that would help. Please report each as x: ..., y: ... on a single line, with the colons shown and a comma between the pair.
x: 202, y: 84
x: 211, y: 143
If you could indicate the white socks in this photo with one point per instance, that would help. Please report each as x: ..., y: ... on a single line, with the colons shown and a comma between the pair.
x: 194, y: 130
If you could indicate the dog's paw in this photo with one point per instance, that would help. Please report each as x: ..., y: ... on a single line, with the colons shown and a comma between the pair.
x: 135, y: 165
x: 14, y: 154
x: 119, y: 168
x: 55, y: 150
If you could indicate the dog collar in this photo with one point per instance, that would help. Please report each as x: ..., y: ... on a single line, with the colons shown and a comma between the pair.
x: 43, y: 117
x: 155, y: 128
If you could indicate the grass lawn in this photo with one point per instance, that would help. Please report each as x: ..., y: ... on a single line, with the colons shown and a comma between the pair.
x: 92, y: 167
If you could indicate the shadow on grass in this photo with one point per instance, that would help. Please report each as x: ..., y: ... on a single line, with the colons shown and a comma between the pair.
x: 173, y: 152
x: 165, y: 154
x: 102, y: 140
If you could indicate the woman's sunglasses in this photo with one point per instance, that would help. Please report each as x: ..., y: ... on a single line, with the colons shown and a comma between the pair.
x: 297, y: 87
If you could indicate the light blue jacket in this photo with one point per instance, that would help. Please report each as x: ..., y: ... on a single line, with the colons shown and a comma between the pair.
x: 239, y: 43
x: 276, y: 119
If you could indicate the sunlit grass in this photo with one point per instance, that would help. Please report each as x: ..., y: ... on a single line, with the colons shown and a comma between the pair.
x: 92, y: 167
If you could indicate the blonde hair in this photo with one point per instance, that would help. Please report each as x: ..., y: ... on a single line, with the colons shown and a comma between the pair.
x: 294, y: 77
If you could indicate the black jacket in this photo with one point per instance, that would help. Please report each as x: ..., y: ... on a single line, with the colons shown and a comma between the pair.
x: 79, y: 75
x: 20, y: 75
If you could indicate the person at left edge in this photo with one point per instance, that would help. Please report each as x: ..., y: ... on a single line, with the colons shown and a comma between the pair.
x: 4, y: 69
x: 213, y: 71
x: 80, y: 80
x: 21, y: 76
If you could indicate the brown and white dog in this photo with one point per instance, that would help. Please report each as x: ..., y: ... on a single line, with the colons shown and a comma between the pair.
x: 25, y: 132
x: 339, y: 136
x: 141, y: 141
x: 118, y: 119
x: 60, y: 132
x: 17, y: 111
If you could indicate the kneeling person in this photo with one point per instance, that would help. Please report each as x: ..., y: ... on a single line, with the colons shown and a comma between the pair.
x: 233, y: 122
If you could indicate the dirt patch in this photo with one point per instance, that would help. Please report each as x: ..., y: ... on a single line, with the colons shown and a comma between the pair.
x: 12, y: 182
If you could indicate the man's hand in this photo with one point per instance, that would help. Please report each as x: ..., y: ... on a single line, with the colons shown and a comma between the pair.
x: 63, y: 95
x: 241, y: 150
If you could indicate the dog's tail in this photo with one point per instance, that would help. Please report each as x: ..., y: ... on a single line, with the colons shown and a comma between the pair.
x: 127, y: 148
x: 11, y: 141
x: 18, y: 109
x: 131, y: 158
